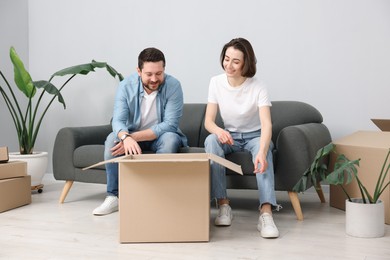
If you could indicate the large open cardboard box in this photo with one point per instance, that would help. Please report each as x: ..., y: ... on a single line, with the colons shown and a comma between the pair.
x: 15, y: 185
x: 165, y: 197
x: 371, y: 147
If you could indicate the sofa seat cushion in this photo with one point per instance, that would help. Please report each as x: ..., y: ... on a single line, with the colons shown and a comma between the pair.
x: 191, y: 150
x: 241, y: 158
x: 88, y: 155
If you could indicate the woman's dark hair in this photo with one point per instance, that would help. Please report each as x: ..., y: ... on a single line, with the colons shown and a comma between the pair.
x: 150, y: 55
x: 243, y: 45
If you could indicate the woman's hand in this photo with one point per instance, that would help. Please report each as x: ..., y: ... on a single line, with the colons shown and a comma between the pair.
x: 224, y: 137
x: 260, y: 159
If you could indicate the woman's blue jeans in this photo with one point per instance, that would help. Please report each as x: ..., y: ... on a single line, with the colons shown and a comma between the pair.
x: 167, y: 143
x: 242, y: 141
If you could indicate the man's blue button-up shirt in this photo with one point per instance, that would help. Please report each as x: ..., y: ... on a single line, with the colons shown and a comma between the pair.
x: 127, y: 114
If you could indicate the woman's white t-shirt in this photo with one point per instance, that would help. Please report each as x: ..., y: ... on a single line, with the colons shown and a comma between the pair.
x: 239, y: 106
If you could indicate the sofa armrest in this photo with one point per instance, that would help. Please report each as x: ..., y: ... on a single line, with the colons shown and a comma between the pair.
x: 70, y: 138
x: 296, y: 148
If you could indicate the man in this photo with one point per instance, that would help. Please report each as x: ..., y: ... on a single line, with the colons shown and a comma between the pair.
x: 147, y: 109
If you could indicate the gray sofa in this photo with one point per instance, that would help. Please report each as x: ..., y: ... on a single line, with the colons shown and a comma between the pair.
x: 298, y: 132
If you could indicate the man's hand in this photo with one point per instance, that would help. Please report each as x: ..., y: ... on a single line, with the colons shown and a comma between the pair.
x: 128, y: 146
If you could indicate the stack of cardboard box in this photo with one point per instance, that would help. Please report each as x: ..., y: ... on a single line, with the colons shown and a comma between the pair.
x: 15, y: 185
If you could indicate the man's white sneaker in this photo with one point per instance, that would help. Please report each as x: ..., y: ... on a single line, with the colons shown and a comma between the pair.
x: 225, y: 216
x: 109, y: 205
x: 267, y: 227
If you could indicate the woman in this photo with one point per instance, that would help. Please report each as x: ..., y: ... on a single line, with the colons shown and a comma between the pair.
x: 243, y: 102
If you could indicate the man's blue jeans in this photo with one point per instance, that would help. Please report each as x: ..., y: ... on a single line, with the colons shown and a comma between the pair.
x: 167, y: 143
x: 242, y: 141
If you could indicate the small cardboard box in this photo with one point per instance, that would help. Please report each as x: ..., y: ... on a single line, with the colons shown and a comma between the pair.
x: 15, y: 192
x: 371, y: 147
x: 4, y: 157
x: 165, y: 197
x: 13, y: 169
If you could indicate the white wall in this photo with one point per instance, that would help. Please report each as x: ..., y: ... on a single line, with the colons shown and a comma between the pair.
x: 332, y: 54
x: 13, y: 32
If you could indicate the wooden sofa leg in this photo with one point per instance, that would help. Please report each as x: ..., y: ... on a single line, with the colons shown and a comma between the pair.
x: 296, y: 204
x: 320, y: 193
x: 65, y: 190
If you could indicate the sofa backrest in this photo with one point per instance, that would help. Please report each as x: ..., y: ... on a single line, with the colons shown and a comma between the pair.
x: 192, y: 121
x: 283, y: 113
x: 288, y: 113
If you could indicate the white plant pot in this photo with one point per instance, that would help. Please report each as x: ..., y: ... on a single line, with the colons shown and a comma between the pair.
x: 364, y: 220
x: 36, y: 165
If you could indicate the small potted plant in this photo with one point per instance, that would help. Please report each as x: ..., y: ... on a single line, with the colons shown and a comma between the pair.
x: 343, y: 171
x: 27, y: 114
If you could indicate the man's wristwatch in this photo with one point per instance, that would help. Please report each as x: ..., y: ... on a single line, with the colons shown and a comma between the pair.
x: 123, y: 137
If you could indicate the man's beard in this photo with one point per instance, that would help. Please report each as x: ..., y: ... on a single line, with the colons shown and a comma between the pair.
x: 151, y: 89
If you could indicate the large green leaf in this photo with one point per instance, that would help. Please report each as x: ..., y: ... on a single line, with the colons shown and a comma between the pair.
x: 84, y: 69
x: 300, y: 186
x: 110, y: 69
x: 22, y: 77
x: 113, y: 72
x: 344, y: 171
x: 51, y: 89
x: 317, y: 170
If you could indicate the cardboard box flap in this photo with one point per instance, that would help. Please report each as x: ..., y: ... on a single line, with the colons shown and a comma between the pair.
x: 106, y: 161
x: 228, y: 164
x: 383, y: 124
x: 175, y: 157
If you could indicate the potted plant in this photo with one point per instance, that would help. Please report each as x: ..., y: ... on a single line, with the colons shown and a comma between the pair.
x: 28, y: 114
x: 342, y: 173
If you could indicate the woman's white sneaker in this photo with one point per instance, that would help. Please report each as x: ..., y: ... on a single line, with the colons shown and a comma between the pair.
x: 109, y: 205
x: 267, y: 227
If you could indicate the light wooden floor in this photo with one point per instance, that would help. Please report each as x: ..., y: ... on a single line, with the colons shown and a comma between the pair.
x: 48, y: 230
